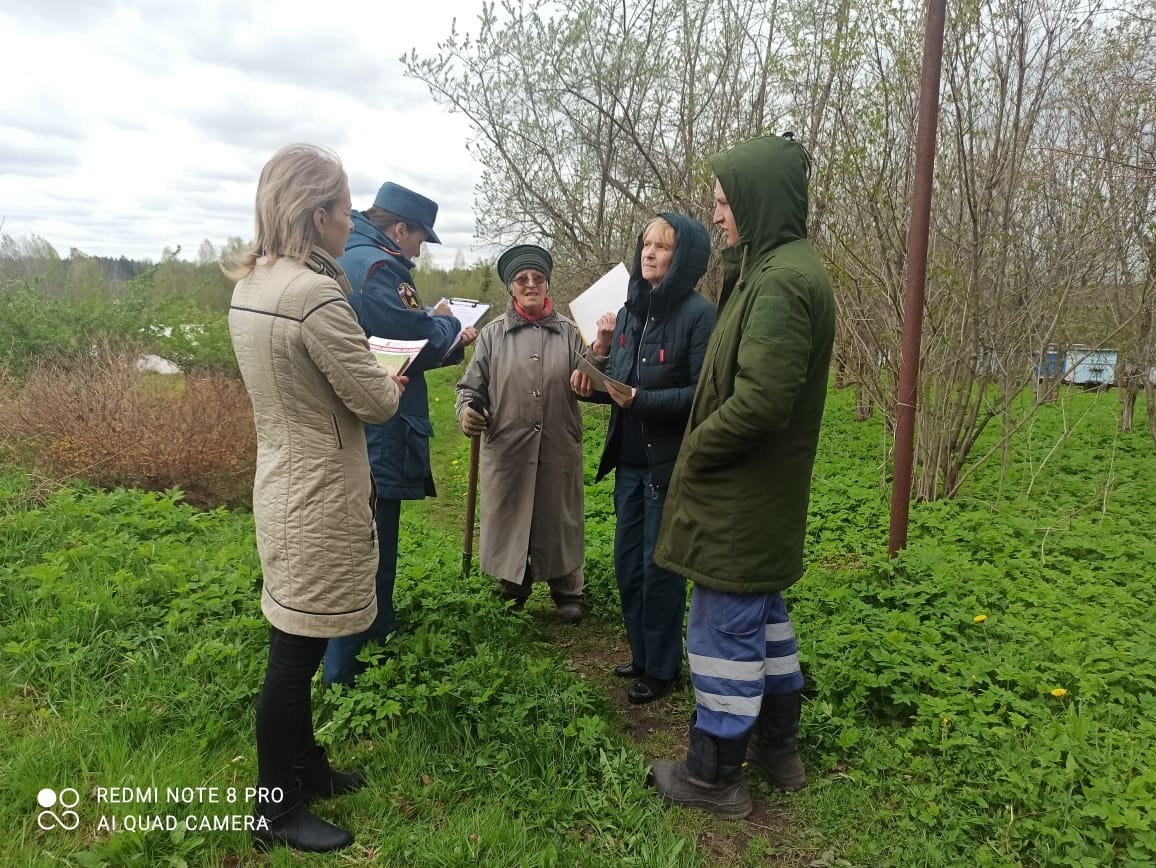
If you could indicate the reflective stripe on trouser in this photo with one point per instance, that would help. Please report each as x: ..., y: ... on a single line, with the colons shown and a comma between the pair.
x: 739, y: 646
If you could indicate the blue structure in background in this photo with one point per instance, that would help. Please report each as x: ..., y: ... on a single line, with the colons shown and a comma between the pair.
x: 1079, y: 365
x: 1051, y: 365
x: 1090, y: 368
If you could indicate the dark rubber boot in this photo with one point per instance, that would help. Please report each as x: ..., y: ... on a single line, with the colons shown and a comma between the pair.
x: 289, y: 823
x: 319, y: 780
x: 773, y: 747
x: 710, y: 779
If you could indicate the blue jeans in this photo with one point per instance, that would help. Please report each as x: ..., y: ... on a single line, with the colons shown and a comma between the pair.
x: 341, y: 665
x: 653, y: 599
x: 741, y: 647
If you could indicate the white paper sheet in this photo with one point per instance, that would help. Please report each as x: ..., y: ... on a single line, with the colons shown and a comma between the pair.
x: 468, y: 311
x: 605, y: 295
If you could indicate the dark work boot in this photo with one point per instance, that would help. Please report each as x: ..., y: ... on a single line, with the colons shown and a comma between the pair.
x: 568, y: 607
x: 710, y: 779
x: 569, y: 611
x: 508, y: 592
x: 289, y: 823
x: 773, y: 748
x: 319, y: 780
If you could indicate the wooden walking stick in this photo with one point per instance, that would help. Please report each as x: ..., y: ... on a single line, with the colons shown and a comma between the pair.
x: 479, y: 406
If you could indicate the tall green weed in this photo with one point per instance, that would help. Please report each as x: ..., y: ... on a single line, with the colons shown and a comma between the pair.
x: 997, y: 682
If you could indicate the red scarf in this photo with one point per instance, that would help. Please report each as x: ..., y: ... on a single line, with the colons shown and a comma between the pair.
x: 547, y: 309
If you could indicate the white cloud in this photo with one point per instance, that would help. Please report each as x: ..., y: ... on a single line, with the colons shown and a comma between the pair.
x: 128, y: 127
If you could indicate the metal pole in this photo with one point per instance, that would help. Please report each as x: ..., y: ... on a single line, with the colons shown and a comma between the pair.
x: 918, y: 231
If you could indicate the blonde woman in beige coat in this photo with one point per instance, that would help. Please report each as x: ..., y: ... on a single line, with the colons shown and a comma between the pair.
x: 314, y: 384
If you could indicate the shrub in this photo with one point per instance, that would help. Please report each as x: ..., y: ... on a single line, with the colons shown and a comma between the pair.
x: 35, y: 327
x: 102, y: 420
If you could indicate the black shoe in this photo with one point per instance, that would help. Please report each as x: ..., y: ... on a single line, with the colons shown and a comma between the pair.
x: 628, y: 670
x: 291, y: 824
x: 647, y: 689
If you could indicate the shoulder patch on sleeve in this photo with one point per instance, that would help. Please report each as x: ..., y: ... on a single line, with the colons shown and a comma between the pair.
x: 408, y: 296
x: 769, y: 317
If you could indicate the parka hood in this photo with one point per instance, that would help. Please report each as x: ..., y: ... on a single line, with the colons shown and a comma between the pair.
x: 765, y: 181
x: 687, y: 266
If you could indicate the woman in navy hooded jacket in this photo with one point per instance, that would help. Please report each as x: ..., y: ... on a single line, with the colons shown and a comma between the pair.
x: 379, y: 259
x: 660, y: 339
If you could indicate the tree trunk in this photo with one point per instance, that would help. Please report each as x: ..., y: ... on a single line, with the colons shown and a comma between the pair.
x: 1150, y: 400
x: 1128, y: 395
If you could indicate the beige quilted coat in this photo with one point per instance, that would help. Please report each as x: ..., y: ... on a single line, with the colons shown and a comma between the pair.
x: 313, y: 383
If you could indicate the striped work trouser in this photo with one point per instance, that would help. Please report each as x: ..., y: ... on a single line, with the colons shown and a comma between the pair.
x: 740, y: 647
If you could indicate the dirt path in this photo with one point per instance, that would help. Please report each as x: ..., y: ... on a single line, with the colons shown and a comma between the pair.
x: 770, y: 836
x: 660, y: 730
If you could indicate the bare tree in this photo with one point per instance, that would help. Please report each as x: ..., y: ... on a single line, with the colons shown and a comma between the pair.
x: 592, y: 115
x: 1112, y: 100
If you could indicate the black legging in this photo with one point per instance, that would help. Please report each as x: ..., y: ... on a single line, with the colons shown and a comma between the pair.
x: 285, y: 707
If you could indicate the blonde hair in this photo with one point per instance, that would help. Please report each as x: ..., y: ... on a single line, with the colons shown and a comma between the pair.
x: 296, y: 181
x: 659, y: 230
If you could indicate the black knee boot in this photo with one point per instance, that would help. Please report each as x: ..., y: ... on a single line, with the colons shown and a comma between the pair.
x: 290, y: 823
x: 711, y: 777
x: 319, y: 780
x: 773, y: 747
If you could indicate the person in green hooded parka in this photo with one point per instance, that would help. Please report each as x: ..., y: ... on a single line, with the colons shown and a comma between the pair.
x: 736, y: 512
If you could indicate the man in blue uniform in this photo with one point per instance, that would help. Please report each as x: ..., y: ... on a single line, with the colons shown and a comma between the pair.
x: 379, y: 261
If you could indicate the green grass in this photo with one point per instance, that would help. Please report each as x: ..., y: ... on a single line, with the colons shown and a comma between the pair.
x: 133, y: 647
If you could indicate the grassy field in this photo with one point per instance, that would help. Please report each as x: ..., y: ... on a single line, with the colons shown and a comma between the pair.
x: 989, y: 698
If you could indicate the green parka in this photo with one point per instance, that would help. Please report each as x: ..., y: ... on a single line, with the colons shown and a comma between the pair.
x: 736, y: 512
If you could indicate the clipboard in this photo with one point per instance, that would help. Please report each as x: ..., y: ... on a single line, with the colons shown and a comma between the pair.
x: 467, y: 311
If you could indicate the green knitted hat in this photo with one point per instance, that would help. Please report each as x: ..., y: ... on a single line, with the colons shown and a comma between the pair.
x: 523, y: 256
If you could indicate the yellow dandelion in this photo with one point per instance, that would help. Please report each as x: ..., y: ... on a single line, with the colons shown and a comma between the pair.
x: 947, y: 721
x: 455, y: 462
x: 437, y: 399
x: 980, y: 618
x: 1059, y: 692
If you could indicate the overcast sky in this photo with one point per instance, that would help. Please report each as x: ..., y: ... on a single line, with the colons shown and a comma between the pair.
x: 128, y: 126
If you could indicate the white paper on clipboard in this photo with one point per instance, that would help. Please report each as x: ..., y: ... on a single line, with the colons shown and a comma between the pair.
x: 468, y: 311
x: 606, y: 295
x: 598, y: 379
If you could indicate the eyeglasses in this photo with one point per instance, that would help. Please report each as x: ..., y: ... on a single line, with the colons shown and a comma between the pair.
x: 533, y: 278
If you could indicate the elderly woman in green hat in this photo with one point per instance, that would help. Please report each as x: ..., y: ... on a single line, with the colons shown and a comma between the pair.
x: 516, y: 396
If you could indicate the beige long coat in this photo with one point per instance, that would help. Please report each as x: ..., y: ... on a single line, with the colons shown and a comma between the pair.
x: 531, y: 453
x: 313, y: 383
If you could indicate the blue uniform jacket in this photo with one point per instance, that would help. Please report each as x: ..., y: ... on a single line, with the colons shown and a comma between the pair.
x: 387, y: 306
